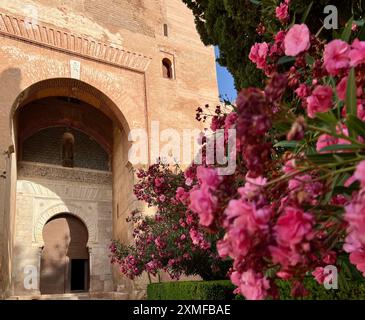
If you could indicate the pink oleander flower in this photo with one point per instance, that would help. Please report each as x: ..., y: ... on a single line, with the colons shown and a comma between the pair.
x: 247, y: 216
x: 324, y: 141
x: 285, y: 256
x: 203, y: 203
x: 293, y: 227
x: 357, y: 53
x: 280, y: 37
x: 342, y: 89
x: 297, y: 40
x: 336, y: 56
x: 258, y: 54
x: 319, y: 101
x: 182, y: 195
x: 355, y: 241
x: 223, y: 248
x: 360, y: 173
x: 319, y: 275
x: 352, y: 242
x: 358, y: 259
x: 282, y: 12
x: 253, y: 286
x: 252, y: 187
x: 230, y: 120
x: 207, y: 177
x: 308, y: 190
x: 198, y: 239
x: 159, y: 181
x: 303, y: 91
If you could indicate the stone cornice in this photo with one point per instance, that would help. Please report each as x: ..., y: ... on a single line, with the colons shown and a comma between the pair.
x: 65, y: 41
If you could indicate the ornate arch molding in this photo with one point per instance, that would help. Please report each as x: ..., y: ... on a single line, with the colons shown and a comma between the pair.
x: 58, y: 209
x: 73, y: 88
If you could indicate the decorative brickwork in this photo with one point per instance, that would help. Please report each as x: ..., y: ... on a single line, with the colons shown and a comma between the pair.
x: 44, y: 35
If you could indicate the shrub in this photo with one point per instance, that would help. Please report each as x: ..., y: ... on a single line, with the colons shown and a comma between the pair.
x: 191, y: 290
x: 350, y: 291
x: 223, y: 290
x: 172, y: 240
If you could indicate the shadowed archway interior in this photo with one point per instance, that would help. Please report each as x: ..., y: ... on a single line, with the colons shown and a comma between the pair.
x: 65, y: 257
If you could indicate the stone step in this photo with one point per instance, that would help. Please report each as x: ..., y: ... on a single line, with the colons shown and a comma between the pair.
x: 76, y: 296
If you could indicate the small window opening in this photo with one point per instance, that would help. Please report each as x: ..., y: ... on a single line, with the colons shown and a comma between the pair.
x: 165, y: 30
x: 68, y: 141
x: 167, y: 68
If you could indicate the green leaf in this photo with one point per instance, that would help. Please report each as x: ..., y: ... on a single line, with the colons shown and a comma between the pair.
x: 360, y: 22
x: 351, y: 99
x: 361, y: 34
x: 287, y: 144
x: 329, y: 194
x: 328, y: 117
x: 324, y: 158
x: 309, y: 60
x: 286, y: 59
x: 306, y: 13
x: 346, y: 33
x: 356, y: 125
x: 257, y: 2
x: 338, y: 147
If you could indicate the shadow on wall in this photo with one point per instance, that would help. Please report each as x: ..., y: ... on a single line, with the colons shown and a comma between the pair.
x: 9, y: 89
x: 10, y: 80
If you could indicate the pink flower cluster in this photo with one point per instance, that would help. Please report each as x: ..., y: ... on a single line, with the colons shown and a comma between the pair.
x: 297, y: 40
x: 293, y: 232
x: 355, y: 216
x: 247, y: 225
x: 202, y: 199
x: 339, y: 56
x: 282, y: 11
x: 252, y: 285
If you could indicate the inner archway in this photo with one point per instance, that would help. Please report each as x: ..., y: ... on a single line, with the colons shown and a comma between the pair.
x: 65, y: 257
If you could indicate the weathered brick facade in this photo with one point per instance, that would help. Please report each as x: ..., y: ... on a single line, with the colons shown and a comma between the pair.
x: 108, y: 55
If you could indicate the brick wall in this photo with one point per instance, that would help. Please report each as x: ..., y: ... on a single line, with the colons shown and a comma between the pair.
x: 46, y: 147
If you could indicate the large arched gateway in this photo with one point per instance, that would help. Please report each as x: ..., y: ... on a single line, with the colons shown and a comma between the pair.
x: 71, y: 151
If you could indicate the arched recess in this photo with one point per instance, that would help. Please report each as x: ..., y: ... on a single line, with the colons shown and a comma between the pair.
x: 66, y: 87
x: 61, y: 209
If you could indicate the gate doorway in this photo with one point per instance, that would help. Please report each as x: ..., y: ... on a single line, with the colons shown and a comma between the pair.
x: 65, y: 257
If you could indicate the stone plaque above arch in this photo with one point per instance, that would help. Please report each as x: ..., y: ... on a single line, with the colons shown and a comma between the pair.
x: 63, y: 209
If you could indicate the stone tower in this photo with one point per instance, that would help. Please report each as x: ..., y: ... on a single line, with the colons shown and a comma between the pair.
x: 75, y: 78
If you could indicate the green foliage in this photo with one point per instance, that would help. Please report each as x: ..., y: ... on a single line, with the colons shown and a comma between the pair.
x: 354, y: 290
x: 222, y: 290
x: 191, y: 290
x: 231, y: 25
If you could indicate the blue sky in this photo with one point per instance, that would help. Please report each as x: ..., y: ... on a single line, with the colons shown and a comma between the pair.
x: 225, y: 81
